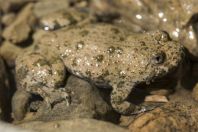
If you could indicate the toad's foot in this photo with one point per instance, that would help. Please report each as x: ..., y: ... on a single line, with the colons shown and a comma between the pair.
x: 21, y: 100
x: 39, y: 73
x: 146, y: 106
x: 56, y: 96
x: 119, y: 96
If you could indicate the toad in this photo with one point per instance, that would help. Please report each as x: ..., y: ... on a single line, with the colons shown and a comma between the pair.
x: 103, y: 54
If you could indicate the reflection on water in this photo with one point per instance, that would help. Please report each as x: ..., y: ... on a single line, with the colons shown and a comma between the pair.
x: 171, y: 16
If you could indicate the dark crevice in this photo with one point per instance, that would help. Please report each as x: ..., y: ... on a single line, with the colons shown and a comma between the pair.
x: 11, y: 88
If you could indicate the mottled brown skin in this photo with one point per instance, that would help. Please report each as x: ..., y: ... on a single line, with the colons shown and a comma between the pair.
x: 102, y: 54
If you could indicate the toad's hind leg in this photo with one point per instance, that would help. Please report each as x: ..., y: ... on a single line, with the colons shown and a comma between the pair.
x: 41, y: 75
x: 119, y: 101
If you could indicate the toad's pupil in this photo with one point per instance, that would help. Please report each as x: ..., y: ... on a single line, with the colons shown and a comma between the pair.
x: 159, y: 58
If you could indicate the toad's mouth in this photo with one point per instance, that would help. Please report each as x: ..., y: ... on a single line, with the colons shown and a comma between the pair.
x: 166, y: 83
x: 167, y: 75
x: 168, y: 80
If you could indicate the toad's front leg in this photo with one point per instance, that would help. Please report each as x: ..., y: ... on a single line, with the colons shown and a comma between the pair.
x: 119, y: 101
x: 37, y: 74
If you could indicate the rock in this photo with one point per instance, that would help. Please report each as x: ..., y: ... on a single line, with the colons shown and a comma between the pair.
x: 86, y: 102
x: 7, y: 19
x: 174, y: 116
x: 79, y: 3
x: 23, y: 96
x: 5, y: 127
x: 45, y: 7
x: 188, y: 37
x: 156, y: 98
x: 149, y: 15
x: 195, y: 92
x: 38, y: 34
x: 1, y: 34
x: 62, y: 18
x: 10, y: 51
x: 163, y: 92
x: 12, y: 5
x: 21, y: 28
x: 76, y: 125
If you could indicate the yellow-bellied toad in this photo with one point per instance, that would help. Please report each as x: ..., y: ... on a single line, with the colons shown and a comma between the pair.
x: 101, y: 53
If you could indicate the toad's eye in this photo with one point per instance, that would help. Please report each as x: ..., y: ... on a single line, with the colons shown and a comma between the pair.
x: 158, y: 58
x: 162, y: 36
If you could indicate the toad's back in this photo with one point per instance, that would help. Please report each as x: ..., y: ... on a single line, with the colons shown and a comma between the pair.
x: 105, y: 52
x: 100, y: 52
